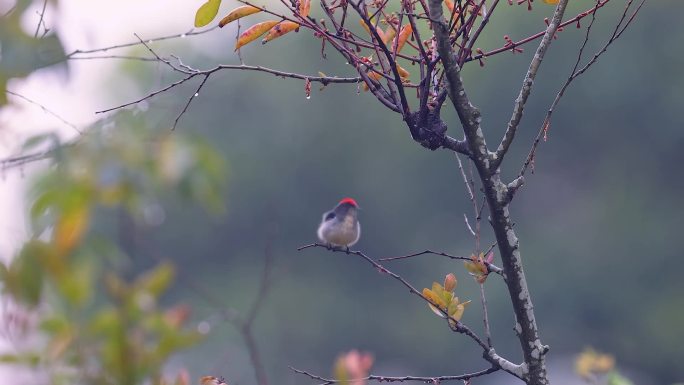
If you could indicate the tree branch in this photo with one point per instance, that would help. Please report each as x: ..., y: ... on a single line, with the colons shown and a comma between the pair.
x: 490, y: 267
x: 378, y: 378
x: 528, y: 81
x: 488, y: 353
x: 467, y: 113
x: 617, y: 32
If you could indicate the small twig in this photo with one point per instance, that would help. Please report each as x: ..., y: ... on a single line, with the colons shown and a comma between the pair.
x: 490, y: 267
x: 374, y: 377
x: 459, y: 327
x: 191, y: 32
x: 526, y: 87
x: 485, y: 315
x: 536, y: 36
x: 40, y: 21
x: 617, y: 32
x: 325, y: 80
x: 192, y: 97
x: 46, y: 110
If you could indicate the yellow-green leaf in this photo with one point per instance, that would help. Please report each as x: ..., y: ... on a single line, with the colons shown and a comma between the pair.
x: 207, y: 12
x: 254, y: 32
x: 158, y: 280
x: 238, y: 13
x: 279, y: 30
x: 70, y: 228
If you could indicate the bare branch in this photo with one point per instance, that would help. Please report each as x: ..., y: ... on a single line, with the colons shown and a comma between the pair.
x: 325, y: 80
x: 46, y: 110
x: 575, y: 73
x: 192, y: 97
x: 459, y: 327
x: 526, y: 88
x: 41, y: 20
x: 378, y: 378
x: 490, y: 267
x: 485, y: 315
x: 515, y: 44
x: 191, y: 32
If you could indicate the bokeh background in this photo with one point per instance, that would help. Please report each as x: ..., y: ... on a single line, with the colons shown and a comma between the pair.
x: 600, y: 220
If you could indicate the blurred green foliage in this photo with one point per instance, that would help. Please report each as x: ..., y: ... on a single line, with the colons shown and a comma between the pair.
x: 100, y: 323
x: 22, y: 53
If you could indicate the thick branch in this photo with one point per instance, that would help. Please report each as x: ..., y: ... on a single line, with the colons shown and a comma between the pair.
x: 526, y: 88
x: 467, y: 113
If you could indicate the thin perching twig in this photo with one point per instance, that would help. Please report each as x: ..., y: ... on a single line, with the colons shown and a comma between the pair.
x: 374, y: 377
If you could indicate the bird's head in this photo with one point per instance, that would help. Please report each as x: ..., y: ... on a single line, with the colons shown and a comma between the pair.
x: 346, y: 206
x: 348, y: 202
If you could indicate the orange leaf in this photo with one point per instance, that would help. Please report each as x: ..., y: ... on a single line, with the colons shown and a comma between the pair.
x: 252, y: 33
x: 450, y: 5
x: 389, y: 34
x: 304, y: 7
x: 404, y: 34
x: 380, y: 32
x: 550, y: 1
x: 279, y: 30
x: 70, y: 228
x: 372, y: 75
x: 238, y: 13
x: 402, y: 72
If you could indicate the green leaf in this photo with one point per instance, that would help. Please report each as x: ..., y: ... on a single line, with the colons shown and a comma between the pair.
x: 54, y: 324
x: 30, y: 359
x: 24, y: 278
x: 615, y: 378
x: 158, y: 280
x: 77, y: 287
x: 37, y: 140
x: 207, y: 12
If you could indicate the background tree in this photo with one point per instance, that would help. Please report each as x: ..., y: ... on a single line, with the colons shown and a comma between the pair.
x: 430, y: 137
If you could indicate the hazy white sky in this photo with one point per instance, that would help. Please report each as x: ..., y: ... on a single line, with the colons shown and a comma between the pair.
x: 81, y: 24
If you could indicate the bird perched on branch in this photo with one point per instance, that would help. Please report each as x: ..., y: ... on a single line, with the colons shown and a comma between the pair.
x: 211, y: 380
x: 340, y: 227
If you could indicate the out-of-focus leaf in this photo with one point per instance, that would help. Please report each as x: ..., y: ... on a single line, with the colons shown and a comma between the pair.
x: 404, y: 74
x: 54, y: 324
x: 615, y: 378
x: 389, y: 34
x: 550, y: 1
x: 207, y: 12
x: 279, y: 30
x: 156, y: 281
x: 36, y: 140
x: 304, y: 7
x: 30, y: 359
x: 254, y: 32
x: 70, y: 228
x: 22, y: 53
x: 59, y: 344
x: 76, y: 287
x: 23, y: 280
x: 238, y: 13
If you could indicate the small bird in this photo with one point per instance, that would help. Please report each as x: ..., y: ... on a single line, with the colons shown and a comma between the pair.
x: 211, y: 380
x: 340, y: 227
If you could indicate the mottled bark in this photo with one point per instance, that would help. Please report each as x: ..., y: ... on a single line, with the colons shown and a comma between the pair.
x: 498, y: 194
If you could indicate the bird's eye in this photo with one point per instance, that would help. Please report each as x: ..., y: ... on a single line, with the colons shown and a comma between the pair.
x: 330, y: 216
